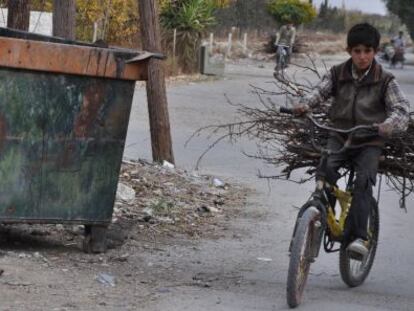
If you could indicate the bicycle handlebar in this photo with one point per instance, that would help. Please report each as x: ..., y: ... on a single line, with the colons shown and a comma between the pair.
x: 347, y: 145
x: 328, y: 128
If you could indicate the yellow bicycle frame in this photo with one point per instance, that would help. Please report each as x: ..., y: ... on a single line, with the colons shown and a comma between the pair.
x: 336, y: 226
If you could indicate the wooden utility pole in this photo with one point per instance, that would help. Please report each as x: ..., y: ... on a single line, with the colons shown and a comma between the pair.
x: 18, y: 16
x: 156, y: 92
x: 64, y: 19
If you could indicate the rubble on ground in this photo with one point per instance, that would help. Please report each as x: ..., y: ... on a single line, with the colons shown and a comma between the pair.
x: 155, y: 201
x: 173, y: 199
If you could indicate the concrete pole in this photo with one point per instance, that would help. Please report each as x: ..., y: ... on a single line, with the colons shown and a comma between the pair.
x: 211, y: 43
x: 245, y: 43
x: 229, y: 42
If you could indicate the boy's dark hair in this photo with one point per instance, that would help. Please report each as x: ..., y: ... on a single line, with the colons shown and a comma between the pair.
x: 364, y: 34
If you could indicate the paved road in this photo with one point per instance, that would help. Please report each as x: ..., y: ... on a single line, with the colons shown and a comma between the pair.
x: 239, y: 280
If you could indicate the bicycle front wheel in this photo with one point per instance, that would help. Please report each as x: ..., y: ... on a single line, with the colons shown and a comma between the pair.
x: 280, y: 59
x: 354, y: 272
x: 301, y: 255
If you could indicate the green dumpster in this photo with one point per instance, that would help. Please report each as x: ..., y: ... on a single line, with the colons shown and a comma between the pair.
x: 64, y: 112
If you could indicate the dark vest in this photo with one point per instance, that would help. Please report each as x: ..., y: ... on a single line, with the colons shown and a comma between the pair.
x: 358, y: 103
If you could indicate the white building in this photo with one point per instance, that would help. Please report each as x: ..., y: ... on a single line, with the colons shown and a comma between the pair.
x: 40, y: 22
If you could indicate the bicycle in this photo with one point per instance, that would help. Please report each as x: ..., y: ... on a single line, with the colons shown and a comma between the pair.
x: 281, y: 56
x: 398, y: 57
x: 317, y: 222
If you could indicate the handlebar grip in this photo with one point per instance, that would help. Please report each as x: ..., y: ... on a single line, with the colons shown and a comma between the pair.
x: 286, y: 110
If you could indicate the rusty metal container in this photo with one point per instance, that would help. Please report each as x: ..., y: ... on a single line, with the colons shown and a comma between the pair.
x: 64, y: 112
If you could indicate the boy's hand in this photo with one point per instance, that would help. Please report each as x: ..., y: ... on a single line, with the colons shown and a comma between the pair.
x: 300, y: 109
x: 385, y: 129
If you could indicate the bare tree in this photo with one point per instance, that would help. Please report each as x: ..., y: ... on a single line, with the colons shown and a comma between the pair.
x: 18, y: 16
x: 156, y: 92
x: 64, y: 18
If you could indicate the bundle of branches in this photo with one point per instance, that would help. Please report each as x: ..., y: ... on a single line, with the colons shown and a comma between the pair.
x: 286, y: 142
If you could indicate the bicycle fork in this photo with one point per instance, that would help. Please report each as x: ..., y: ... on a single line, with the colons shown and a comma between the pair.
x: 317, y: 228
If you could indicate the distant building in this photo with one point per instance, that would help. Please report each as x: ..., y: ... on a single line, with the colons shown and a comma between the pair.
x: 40, y: 22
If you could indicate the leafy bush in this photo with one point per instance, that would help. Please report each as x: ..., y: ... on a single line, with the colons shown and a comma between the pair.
x: 191, y: 19
x: 117, y: 19
x: 291, y: 11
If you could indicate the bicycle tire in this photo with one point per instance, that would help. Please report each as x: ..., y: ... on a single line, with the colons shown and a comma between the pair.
x: 280, y: 60
x: 354, y: 272
x: 300, y: 257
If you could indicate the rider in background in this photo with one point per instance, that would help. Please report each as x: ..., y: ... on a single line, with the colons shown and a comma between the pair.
x: 398, y: 43
x: 286, y: 36
x: 363, y: 94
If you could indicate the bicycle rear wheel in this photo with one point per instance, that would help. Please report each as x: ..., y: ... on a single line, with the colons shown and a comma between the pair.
x: 301, y: 255
x: 354, y: 272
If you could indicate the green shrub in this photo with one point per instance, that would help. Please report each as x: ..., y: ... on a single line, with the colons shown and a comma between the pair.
x: 291, y: 11
x: 191, y: 19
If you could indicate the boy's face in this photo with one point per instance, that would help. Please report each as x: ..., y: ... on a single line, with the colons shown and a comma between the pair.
x: 362, y: 56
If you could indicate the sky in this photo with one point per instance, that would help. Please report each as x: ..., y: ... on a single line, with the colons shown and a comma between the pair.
x: 367, y: 6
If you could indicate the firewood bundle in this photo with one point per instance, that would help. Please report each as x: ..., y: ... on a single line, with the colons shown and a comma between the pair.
x: 285, y: 142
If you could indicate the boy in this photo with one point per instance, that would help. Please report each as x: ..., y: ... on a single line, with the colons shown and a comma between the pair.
x: 364, y: 94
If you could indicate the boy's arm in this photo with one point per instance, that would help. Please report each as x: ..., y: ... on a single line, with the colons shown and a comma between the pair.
x: 320, y: 93
x: 292, y: 40
x: 397, y: 108
x: 277, y: 38
x: 278, y: 35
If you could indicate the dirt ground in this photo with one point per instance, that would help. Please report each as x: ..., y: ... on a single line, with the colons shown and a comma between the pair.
x: 155, y: 206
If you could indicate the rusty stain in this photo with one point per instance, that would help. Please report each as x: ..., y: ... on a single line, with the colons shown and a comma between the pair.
x: 98, y: 61
x: 89, y: 61
x: 66, y: 158
x: 119, y: 67
x: 92, y: 101
x: 106, y: 63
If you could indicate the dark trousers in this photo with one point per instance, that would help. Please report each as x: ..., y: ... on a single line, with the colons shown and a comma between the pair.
x: 365, y: 163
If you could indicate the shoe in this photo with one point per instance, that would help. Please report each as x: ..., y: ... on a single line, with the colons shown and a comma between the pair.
x: 358, y: 249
